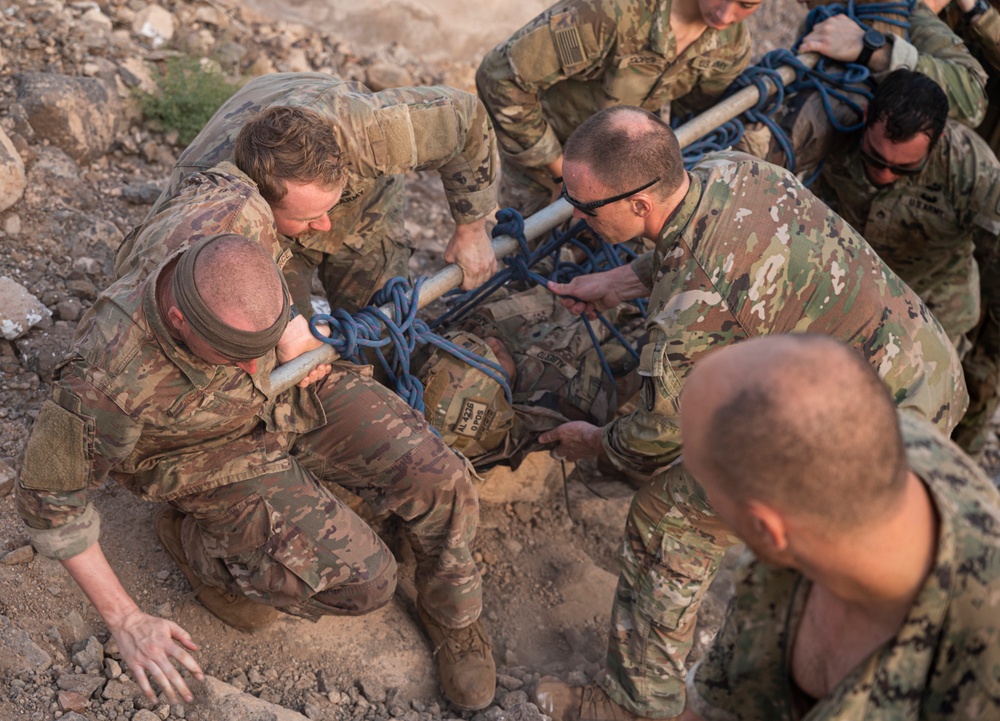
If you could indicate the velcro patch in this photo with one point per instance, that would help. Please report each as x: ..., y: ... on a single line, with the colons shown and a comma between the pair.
x: 471, y: 419
x: 569, y: 47
x: 56, y: 458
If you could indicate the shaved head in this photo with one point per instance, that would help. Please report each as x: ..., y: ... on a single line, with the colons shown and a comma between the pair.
x: 240, y: 283
x: 626, y: 147
x: 799, y: 422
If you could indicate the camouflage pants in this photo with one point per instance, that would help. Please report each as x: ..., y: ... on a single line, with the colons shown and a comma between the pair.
x: 377, y: 251
x: 285, y: 540
x: 527, y: 190
x: 674, y: 544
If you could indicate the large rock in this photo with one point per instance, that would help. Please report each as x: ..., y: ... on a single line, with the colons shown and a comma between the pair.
x: 18, y: 653
x: 75, y: 114
x: 54, y: 180
x: 530, y: 482
x: 19, y: 309
x: 41, y: 351
x: 219, y: 701
x: 155, y: 23
x: 11, y: 173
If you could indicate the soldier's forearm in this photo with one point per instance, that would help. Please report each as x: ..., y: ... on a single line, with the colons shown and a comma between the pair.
x: 99, y: 582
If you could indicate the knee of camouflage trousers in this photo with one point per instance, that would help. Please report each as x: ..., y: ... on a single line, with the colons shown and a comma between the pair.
x: 285, y: 541
x: 523, y: 189
x: 674, y: 543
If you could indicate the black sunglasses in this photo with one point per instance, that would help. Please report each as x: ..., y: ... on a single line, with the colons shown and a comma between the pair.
x: 880, y: 164
x: 591, y: 207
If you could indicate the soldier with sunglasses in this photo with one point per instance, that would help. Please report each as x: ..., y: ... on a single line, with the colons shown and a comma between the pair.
x: 742, y: 250
x: 924, y: 191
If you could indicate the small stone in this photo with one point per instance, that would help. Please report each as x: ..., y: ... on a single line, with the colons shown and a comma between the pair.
x: 155, y: 23
x: 382, y: 76
x: 121, y: 689
x: 82, y: 289
x: 76, y: 629
x: 12, y: 225
x: 91, y: 658
x: 19, y: 556
x: 525, y: 712
x: 112, y: 669
x: 255, y: 677
x: 71, y: 701
x: 512, y: 698
x: 239, y: 681
x: 335, y: 697
x: 509, y: 682
x: 145, y: 715
x: 163, y: 712
x: 164, y: 610
x: 81, y: 683
x: 88, y: 266
x: 69, y: 310
x: 373, y: 689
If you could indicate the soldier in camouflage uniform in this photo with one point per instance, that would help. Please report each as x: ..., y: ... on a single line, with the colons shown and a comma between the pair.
x: 742, y: 250
x: 873, y: 589
x: 353, y: 232
x: 931, y: 48
x: 155, y: 394
x: 978, y: 24
x: 925, y: 193
x: 580, y: 56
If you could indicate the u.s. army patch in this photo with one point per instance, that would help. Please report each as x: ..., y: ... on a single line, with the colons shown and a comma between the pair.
x: 566, y: 35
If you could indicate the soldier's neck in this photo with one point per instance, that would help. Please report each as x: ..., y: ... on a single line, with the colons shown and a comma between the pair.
x: 687, y: 23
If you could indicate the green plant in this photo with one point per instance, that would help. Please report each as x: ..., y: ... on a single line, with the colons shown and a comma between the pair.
x: 190, y: 93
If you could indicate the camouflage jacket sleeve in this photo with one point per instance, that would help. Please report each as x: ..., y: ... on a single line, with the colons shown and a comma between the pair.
x: 600, y: 52
x: 938, y: 53
x: 575, y: 41
x: 79, y: 436
x: 425, y: 128
x: 983, y: 34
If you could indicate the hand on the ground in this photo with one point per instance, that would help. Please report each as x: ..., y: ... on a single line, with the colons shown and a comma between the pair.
x: 575, y: 440
x: 838, y: 38
x: 147, y: 644
x: 471, y: 249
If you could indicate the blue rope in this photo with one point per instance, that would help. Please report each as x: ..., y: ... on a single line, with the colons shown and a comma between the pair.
x: 351, y: 335
x: 832, y: 80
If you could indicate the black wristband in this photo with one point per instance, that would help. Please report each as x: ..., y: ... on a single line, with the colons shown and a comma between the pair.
x: 977, y: 10
x: 557, y: 179
x: 293, y: 312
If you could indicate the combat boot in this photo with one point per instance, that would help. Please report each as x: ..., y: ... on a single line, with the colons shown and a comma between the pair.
x: 237, y: 611
x: 465, y: 663
x: 579, y: 703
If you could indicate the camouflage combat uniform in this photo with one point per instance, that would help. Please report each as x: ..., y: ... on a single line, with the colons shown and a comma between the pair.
x: 926, y: 226
x: 581, y: 56
x: 941, y: 664
x: 748, y: 252
x: 247, y: 467
x: 382, y: 136
x: 932, y: 49
x: 560, y: 377
x: 982, y: 364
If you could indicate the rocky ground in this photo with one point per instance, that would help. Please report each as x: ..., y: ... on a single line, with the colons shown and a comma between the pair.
x: 78, y: 167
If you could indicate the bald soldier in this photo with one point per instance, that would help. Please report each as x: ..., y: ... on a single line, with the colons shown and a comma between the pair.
x: 350, y: 227
x: 166, y: 390
x: 580, y: 56
x: 873, y: 587
x: 742, y: 249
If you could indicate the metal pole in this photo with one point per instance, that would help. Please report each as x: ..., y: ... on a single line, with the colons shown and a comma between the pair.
x: 288, y: 374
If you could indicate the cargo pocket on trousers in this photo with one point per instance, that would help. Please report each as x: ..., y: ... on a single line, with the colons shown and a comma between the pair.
x: 670, y: 592
x: 269, y: 558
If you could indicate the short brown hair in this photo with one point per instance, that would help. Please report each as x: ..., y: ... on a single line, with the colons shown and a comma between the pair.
x: 625, y: 147
x: 284, y: 143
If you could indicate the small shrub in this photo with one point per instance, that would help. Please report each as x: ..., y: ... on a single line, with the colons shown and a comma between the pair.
x: 190, y: 93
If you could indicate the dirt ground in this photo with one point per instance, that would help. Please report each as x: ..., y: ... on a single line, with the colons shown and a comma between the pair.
x: 549, y: 568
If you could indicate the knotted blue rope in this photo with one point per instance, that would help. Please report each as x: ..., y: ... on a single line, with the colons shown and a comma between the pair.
x: 831, y: 79
x: 350, y: 335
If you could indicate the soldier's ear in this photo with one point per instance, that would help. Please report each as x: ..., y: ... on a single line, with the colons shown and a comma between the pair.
x: 768, y: 526
x: 175, y: 319
x: 641, y: 206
